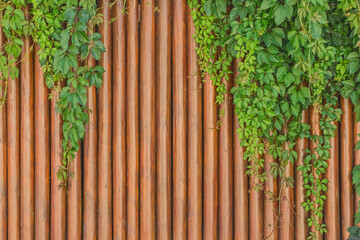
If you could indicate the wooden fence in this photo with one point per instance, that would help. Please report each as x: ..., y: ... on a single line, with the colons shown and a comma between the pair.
x: 153, y: 164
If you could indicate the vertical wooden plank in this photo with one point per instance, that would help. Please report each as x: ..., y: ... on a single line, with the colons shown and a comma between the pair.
x: 104, y: 147
x: 315, y: 130
x: 3, y: 166
x: 241, y: 185
x: 241, y: 202
x: 194, y: 137
x: 301, y: 227
x: 332, y: 204
x: 147, y: 120
x: 42, y: 153
x: 356, y: 159
x: 27, y: 142
x: 58, y: 197
x: 163, y: 121
x: 179, y: 121
x: 119, y: 124
x: 13, y: 117
x: 74, y: 199
x: 270, y: 204
x: 346, y: 165
x: 255, y: 211
x: 3, y: 175
x: 132, y: 118
x: 210, y: 207
x: 225, y: 168
x: 90, y: 166
x: 286, y: 224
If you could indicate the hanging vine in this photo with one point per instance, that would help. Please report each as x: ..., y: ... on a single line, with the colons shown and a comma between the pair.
x: 293, y: 55
x: 63, y: 30
x: 350, y: 89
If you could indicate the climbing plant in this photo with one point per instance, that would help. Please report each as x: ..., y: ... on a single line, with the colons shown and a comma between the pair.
x: 292, y: 55
x: 63, y: 29
x: 351, y: 86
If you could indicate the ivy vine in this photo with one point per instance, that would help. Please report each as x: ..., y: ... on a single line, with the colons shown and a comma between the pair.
x: 63, y: 29
x: 293, y: 55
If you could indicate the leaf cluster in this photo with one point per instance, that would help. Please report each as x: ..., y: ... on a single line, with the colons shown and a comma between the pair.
x: 292, y: 55
x: 63, y: 30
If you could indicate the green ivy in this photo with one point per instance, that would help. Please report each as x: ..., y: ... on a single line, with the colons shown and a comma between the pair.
x: 354, y: 233
x: 351, y: 87
x: 64, y: 31
x: 292, y: 55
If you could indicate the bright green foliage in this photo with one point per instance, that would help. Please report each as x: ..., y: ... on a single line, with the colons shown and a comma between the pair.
x: 292, y: 55
x: 12, y: 22
x: 356, y: 182
x: 214, y: 59
x: 352, y: 85
x: 354, y: 233
x: 64, y: 31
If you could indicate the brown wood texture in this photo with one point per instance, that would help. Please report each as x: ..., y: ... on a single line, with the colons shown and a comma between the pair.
x: 241, y: 181
x: 90, y: 163
x: 163, y: 121
x: 210, y: 180
x: 156, y: 161
x: 3, y: 166
x: 301, y: 229
x: 270, y: 206
x: 13, y: 154
x: 356, y: 160
x: 73, y: 218
x: 195, y: 138
x: 132, y: 116
x: 147, y: 121
x: 58, y: 195
x: 3, y: 175
x: 286, y: 221
x: 27, y: 166
x: 346, y: 165
x: 42, y: 156
x: 332, y: 214
x: 256, y: 211
x: 314, y: 130
x: 119, y: 123
x: 225, y: 168
x: 104, y: 224
x: 179, y: 121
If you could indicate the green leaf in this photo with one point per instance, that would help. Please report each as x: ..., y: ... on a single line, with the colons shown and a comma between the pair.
x: 71, y: 59
x: 279, y: 32
x: 289, y: 10
x: 74, y: 135
x: 80, y: 26
x: 353, y: 56
x: 15, y: 50
x: 82, y: 99
x: 267, y: 4
x: 281, y: 72
x: 95, y: 52
x: 83, y: 16
x: 316, y: 29
x: 99, y: 69
x: 280, y: 14
x: 88, y: 4
x: 353, y: 66
x: 208, y: 7
x: 79, y: 125
x: 221, y: 7
x: 65, y: 38
x: 70, y: 14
